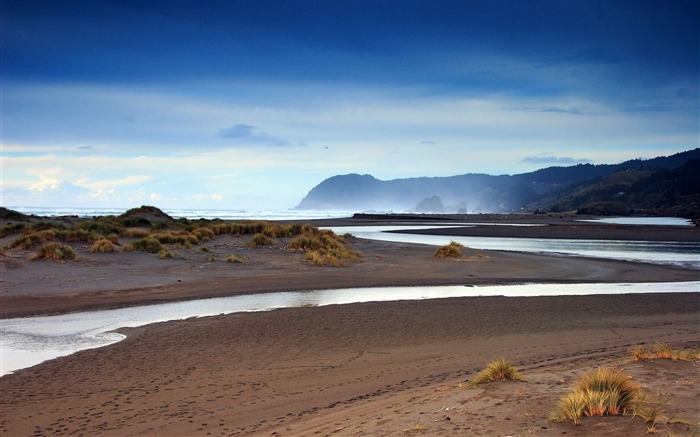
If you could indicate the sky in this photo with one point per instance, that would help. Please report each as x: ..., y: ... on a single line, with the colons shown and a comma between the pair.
x: 250, y: 104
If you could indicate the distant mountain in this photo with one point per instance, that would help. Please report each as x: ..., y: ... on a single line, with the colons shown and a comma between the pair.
x: 561, y: 188
x: 671, y: 192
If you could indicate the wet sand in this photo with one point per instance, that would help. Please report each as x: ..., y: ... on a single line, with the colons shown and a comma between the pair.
x: 373, y: 369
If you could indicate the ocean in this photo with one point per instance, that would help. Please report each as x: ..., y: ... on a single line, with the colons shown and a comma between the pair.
x: 224, y: 214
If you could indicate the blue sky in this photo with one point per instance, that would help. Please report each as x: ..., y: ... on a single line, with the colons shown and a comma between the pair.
x: 250, y: 104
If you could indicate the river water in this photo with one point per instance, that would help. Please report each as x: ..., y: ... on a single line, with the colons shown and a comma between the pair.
x: 685, y: 254
x: 28, y: 341
x: 25, y: 342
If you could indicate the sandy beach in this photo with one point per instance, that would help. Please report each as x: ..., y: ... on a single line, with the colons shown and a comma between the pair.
x: 373, y: 369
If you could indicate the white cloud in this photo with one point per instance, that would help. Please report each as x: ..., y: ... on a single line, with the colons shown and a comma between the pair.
x: 215, y: 197
x: 174, y: 145
x: 548, y: 158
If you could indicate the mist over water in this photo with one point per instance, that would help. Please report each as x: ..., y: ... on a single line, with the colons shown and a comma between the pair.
x: 189, y: 213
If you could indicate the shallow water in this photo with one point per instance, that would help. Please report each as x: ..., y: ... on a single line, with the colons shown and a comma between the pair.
x: 25, y: 342
x: 686, y: 254
x: 658, y: 221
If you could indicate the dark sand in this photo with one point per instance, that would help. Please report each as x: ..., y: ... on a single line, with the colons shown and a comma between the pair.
x: 371, y: 369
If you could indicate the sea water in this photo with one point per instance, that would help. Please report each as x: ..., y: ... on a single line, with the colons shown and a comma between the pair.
x: 223, y: 214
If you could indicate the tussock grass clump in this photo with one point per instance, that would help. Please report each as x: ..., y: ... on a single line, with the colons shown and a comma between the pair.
x: 260, y: 240
x: 26, y: 242
x: 497, y: 369
x: 323, y: 247
x: 70, y: 235
x: 55, y: 251
x: 164, y: 253
x: 102, y: 246
x: 571, y: 407
x: 452, y: 250
x: 335, y: 257
x: 182, y: 237
x: 663, y: 351
x: 235, y: 259
x: 203, y: 234
x: 102, y: 225
x: 135, y: 233
x: 252, y: 227
x: 41, y: 226
x: 12, y: 228
x: 290, y: 230
x: 604, y: 391
x: 158, y: 226
x: 243, y: 228
x: 147, y: 244
x: 305, y: 242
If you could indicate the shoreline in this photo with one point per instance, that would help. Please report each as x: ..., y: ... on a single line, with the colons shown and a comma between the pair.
x: 368, y: 369
x: 122, y: 278
x: 385, y: 264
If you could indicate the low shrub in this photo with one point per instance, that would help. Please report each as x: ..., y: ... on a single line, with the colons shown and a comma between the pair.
x: 101, y: 225
x: 499, y: 369
x: 135, y: 222
x: 55, y: 251
x: 164, y: 253
x: 452, y: 250
x: 41, y: 226
x: 102, y: 246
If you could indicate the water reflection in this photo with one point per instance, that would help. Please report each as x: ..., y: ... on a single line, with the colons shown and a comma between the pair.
x: 686, y: 254
x: 25, y: 342
x: 657, y: 221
